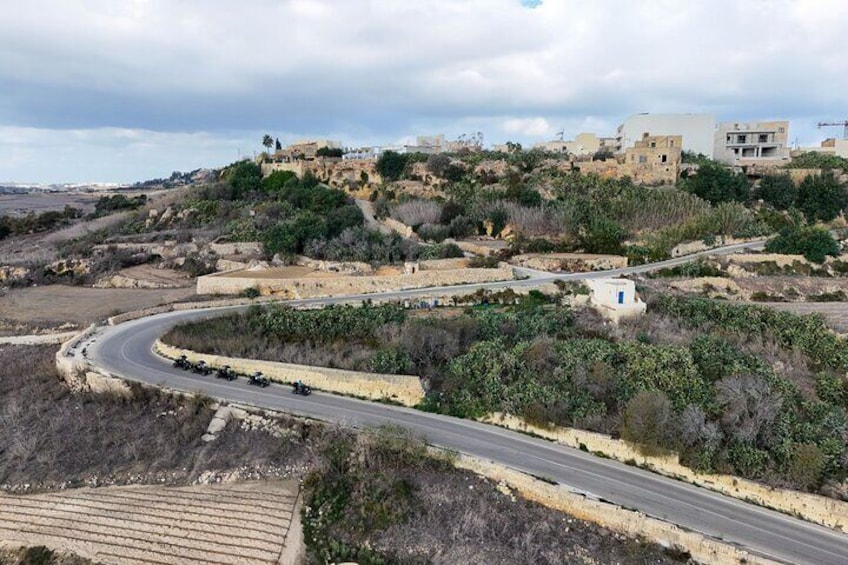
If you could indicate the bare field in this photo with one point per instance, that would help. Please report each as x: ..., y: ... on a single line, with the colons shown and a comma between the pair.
x: 56, y: 304
x: 229, y: 523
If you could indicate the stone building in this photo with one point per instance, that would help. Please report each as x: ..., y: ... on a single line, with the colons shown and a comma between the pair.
x: 830, y: 146
x: 584, y: 144
x: 752, y: 143
x: 306, y: 149
x: 655, y: 159
x: 697, y: 130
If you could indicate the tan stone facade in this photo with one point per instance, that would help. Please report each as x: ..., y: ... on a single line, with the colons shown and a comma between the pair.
x: 357, y: 176
x: 655, y: 159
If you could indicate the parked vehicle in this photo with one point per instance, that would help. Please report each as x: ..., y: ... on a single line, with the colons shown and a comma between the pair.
x: 259, y: 379
x: 300, y: 388
x: 226, y: 372
x: 182, y: 363
x: 202, y: 368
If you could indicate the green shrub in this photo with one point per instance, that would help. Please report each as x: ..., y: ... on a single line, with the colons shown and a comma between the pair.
x: 815, y: 244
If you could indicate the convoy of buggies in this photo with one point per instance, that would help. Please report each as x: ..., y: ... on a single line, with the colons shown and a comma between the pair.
x: 227, y: 372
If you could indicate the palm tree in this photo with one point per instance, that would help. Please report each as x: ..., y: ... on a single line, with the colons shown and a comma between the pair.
x: 268, y: 141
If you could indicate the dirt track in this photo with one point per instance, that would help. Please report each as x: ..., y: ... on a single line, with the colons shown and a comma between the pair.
x: 232, y: 523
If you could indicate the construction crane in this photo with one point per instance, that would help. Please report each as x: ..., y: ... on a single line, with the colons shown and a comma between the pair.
x: 836, y: 124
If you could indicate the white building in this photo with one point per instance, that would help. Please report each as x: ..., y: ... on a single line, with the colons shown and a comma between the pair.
x: 698, y: 130
x: 615, y: 298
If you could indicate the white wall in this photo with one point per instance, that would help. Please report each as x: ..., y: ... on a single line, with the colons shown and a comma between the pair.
x: 698, y: 130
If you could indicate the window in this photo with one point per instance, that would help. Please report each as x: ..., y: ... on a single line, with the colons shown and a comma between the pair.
x: 729, y: 139
x: 741, y: 138
x: 664, y: 158
x: 643, y: 159
x: 671, y: 143
x: 763, y: 138
x: 653, y: 144
x: 781, y: 130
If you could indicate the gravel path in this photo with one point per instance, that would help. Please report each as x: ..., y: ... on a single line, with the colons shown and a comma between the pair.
x: 241, y: 523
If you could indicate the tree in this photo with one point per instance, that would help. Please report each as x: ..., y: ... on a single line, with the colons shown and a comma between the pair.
x: 815, y: 244
x: 821, y: 197
x: 648, y: 421
x: 391, y: 165
x: 603, y: 235
x: 730, y: 218
x: 335, y: 152
x: 277, y: 145
x: 438, y: 163
x: 716, y: 183
x: 244, y: 177
x: 603, y: 154
x: 778, y: 190
x: 748, y: 406
x: 267, y: 141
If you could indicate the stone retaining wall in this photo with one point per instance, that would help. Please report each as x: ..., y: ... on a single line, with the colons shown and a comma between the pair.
x: 394, y: 225
x: 814, y: 508
x: 702, y: 548
x: 343, y: 285
x: 402, y: 389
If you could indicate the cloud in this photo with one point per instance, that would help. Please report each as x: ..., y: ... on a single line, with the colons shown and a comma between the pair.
x: 529, y: 127
x: 372, y: 70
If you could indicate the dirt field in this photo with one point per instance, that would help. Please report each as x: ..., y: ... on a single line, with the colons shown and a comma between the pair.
x: 230, y: 523
x: 51, y: 306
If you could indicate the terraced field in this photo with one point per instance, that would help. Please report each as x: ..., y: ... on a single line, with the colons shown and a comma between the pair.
x: 224, y: 524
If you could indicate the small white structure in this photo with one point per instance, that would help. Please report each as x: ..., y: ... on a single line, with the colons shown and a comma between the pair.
x: 615, y: 298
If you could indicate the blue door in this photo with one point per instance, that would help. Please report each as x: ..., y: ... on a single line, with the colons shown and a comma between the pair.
x: 621, y: 297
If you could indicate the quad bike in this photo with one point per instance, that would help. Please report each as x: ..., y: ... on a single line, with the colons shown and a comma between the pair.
x: 226, y: 372
x: 201, y: 368
x: 300, y: 388
x: 258, y: 379
x: 182, y: 363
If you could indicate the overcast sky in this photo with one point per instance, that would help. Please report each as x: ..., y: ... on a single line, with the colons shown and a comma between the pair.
x: 126, y: 90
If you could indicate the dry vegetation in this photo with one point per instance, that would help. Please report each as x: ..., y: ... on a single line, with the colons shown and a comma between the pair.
x: 55, y: 440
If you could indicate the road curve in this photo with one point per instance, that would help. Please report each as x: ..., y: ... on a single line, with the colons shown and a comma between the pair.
x: 126, y: 351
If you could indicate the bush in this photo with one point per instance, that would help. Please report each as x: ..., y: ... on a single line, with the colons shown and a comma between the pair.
x: 815, y: 244
x: 484, y: 263
x: 716, y: 183
x: 391, y: 165
x: 648, y: 422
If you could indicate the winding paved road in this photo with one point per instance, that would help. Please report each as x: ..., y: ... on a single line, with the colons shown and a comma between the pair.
x: 125, y: 350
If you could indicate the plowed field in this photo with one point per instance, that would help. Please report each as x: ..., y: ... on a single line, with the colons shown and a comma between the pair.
x: 225, y: 524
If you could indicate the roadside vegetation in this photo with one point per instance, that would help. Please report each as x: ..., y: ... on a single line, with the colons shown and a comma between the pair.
x: 733, y: 389
x: 376, y: 497
x: 379, y: 497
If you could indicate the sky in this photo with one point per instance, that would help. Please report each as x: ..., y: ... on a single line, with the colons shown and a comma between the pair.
x: 121, y: 91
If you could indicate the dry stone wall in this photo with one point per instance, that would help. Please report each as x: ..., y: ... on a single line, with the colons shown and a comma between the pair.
x: 702, y: 548
x: 402, y: 389
x: 819, y: 509
x: 336, y: 286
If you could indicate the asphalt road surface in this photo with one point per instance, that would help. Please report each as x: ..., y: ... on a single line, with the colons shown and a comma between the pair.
x: 125, y: 350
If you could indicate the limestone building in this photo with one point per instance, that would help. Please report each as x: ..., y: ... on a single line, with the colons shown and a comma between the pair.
x: 752, y: 143
x: 831, y: 146
x: 655, y: 159
x: 697, y: 130
x: 584, y: 144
